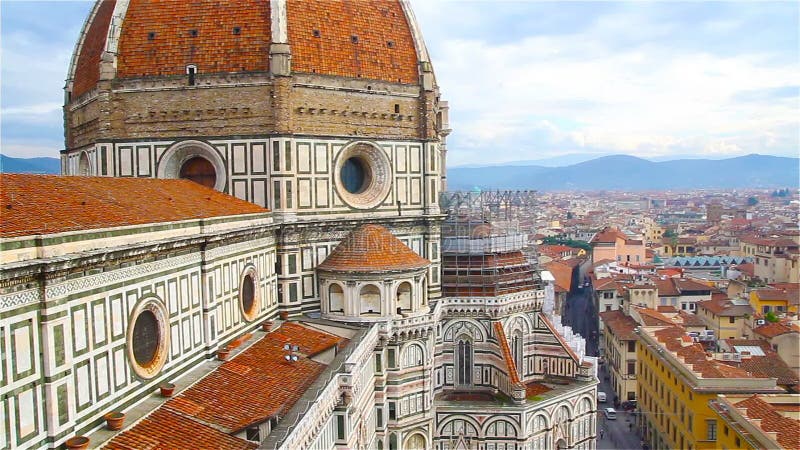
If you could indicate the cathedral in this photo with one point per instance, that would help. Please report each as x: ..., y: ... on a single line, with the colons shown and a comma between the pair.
x: 246, y: 249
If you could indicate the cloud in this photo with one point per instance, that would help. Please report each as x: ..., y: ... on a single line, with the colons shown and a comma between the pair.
x: 628, y: 80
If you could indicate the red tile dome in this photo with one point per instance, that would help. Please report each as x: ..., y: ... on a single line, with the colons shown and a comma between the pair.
x: 370, y: 39
x: 372, y: 248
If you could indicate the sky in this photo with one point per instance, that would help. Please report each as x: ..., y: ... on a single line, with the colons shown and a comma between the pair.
x: 525, y: 80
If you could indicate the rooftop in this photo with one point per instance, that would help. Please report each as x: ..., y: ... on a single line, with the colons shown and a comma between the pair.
x: 256, y: 385
x: 621, y: 325
x: 769, y: 414
x: 372, y: 248
x: 48, y: 204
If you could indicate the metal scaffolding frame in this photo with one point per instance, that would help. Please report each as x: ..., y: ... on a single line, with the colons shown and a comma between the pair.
x: 481, y: 238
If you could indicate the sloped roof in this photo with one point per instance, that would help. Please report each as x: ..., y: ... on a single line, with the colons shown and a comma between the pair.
x: 773, y: 294
x: 372, y: 248
x: 253, y: 386
x: 787, y: 429
x: 621, y: 325
x: 770, y: 330
x: 48, y: 204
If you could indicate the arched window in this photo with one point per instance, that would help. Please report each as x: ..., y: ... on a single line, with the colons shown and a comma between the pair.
x: 540, y: 433
x: 464, y: 362
x: 517, y: 347
x: 84, y: 167
x: 424, y: 292
x: 501, y: 429
x: 335, y: 299
x: 415, y: 442
x: 404, y: 296
x: 370, y: 300
x: 413, y: 356
x: 393, y: 441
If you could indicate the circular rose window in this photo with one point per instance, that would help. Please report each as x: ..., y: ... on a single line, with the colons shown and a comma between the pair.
x: 148, y: 338
x: 249, y: 294
x: 362, y: 175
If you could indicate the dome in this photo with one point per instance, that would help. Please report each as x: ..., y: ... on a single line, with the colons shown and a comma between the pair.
x: 370, y: 39
x: 372, y: 248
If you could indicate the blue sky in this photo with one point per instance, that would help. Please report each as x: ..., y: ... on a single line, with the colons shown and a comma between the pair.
x: 525, y: 80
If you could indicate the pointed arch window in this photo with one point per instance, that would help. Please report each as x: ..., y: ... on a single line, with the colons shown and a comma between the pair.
x: 517, y: 348
x: 464, y: 361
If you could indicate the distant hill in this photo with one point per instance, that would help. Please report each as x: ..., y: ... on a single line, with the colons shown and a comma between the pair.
x: 622, y: 172
x: 29, y: 165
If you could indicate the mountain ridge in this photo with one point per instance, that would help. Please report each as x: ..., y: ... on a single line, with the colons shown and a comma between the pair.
x: 626, y: 172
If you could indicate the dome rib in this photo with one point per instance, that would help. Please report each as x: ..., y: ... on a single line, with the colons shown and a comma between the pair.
x: 372, y: 248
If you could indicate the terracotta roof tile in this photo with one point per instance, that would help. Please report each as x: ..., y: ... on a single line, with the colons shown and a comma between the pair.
x: 511, y: 366
x: 357, y: 39
x: 608, y: 235
x: 214, y: 49
x: 774, y: 294
x: 368, y: 39
x: 47, y: 204
x: 770, y: 330
x: 166, y: 428
x: 787, y: 429
x: 620, y: 324
x: 371, y: 248
x: 653, y: 318
x: 255, y: 385
x: 694, y: 355
x: 87, y: 67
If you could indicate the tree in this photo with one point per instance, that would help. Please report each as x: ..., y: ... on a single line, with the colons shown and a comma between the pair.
x: 752, y: 201
x: 771, y: 317
x: 670, y: 234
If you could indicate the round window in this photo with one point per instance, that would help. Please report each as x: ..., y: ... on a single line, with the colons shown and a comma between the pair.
x: 362, y: 175
x: 145, y: 338
x: 148, y: 338
x: 199, y: 170
x: 355, y: 175
x: 248, y: 294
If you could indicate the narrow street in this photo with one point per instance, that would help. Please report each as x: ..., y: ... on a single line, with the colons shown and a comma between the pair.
x: 620, y: 433
x: 580, y: 314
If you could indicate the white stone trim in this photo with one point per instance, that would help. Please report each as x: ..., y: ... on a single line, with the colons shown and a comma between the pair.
x: 279, y: 26
x: 416, y: 32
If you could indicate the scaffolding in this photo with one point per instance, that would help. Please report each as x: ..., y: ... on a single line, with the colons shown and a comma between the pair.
x: 485, y: 245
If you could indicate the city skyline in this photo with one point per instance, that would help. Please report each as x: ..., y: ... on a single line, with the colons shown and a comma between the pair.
x: 564, y: 77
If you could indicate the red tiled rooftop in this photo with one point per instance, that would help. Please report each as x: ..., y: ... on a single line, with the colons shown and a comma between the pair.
x: 653, y: 318
x: 787, y: 429
x: 47, y: 204
x: 694, y: 355
x: 621, y: 325
x: 371, y: 248
x: 773, y: 294
x: 214, y: 49
x: 770, y: 330
x: 255, y: 385
x: 167, y: 428
x: 87, y: 66
x: 374, y: 23
x: 608, y: 235
x: 511, y: 367
x: 368, y: 39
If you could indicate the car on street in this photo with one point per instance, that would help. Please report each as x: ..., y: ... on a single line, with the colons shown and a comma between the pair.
x: 601, y: 396
x: 610, y: 413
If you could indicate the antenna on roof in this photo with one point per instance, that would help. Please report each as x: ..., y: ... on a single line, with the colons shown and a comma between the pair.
x: 292, y: 356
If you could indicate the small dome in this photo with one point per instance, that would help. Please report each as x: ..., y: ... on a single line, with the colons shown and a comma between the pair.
x: 372, y: 248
